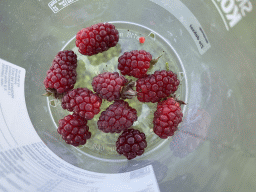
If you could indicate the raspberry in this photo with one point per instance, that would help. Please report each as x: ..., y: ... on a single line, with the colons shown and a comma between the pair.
x: 82, y: 102
x: 135, y: 63
x: 156, y: 86
x: 96, y: 38
x: 167, y: 118
x: 117, y: 117
x: 74, y: 130
x: 61, y: 77
x: 109, y: 85
x: 131, y: 143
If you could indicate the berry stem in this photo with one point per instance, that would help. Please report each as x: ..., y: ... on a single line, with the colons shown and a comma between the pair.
x: 181, y: 102
x: 167, y: 66
x: 176, y: 99
x: 52, y: 92
x: 154, y: 61
x: 127, y: 91
x: 47, y: 94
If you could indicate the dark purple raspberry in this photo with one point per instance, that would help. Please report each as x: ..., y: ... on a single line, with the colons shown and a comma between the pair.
x: 82, y: 102
x: 74, y: 130
x: 157, y: 86
x: 135, y: 63
x: 109, y: 85
x: 167, y: 118
x: 131, y: 143
x: 61, y: 77
x: 117, y: 117
x: 96, y: 38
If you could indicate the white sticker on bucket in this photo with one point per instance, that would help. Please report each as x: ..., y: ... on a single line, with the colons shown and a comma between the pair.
x: 29, y: 165
x: 190, y: 22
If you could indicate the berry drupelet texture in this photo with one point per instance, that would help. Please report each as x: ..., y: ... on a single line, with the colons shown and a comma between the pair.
x: 109, y: 85
x: 117, y: 117
x: 157, y: 86
x: 74, y: 130
x: 96, y: 38
x: 61, y: 77
x: 82, y: 102
x: 131, y: 143
x: 167, y: 118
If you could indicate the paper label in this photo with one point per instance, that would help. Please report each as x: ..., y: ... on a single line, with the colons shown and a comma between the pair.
x: 34, y: 167
x: 16, y: 126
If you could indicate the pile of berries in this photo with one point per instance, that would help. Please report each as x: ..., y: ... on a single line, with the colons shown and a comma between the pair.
x: 112, y: 86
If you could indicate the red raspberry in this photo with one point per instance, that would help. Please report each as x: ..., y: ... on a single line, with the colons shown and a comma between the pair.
x: 142, y: 39
x: 135, y: 63
x: 82, y: 102
x: 74, y: 130
x: 156, y: 86
x: 109, y: 85
x: 167, y: 117
x: 117, y: 117
x: 96, y: 38
x: 131, y: 143
x: 61, y: 77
